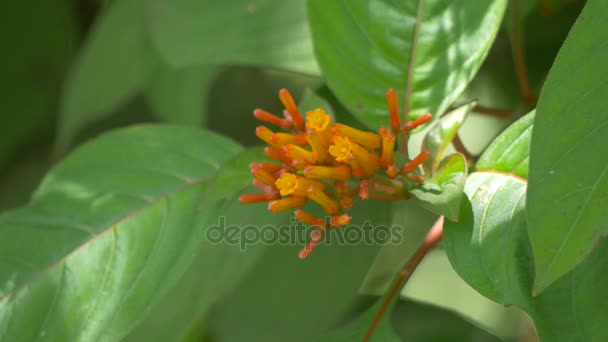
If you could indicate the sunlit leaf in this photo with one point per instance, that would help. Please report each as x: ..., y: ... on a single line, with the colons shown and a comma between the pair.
x: 569, y: 155
x: 118, y: 218
x: 367, y: 47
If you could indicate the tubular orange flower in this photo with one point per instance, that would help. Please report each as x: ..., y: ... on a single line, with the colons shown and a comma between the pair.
x: 393, y: 109
x: 292, y: 109
x: 297, y: 153
x: 387, y: 156
x: 412, y: 125
x: 263, y: 176
x: 340, y: 172
x: 286, y: 203
x: 264, y: 133
x: 330, y: 164
x: 369, y: 140
x: 272, y: 119
x: 417, y: 161
x: 255, y: 198
x: 282, y: 139
x: 317, y: 195
x: 309, y: 219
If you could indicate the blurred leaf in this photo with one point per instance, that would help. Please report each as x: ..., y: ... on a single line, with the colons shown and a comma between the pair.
x: 180, y: 95
x: 440, y: 136
x: 285, y: 298
x: 183, y: 309
x: 418, y: 322
x: 442, y: 194
x: 110, y: 69
x: 311, y: 101
x: 117, y: 218
x: 489, y: 248
x: 358, y: 329
x: 569, y: 155
x: 264, y: 32
x: 366, y: 47
x: 39, y: 38
x: 435, y: 282
x: 510, y: 151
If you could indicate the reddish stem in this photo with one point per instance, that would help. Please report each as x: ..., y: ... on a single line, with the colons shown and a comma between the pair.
x: 518, y: 57
x: 430, y: 241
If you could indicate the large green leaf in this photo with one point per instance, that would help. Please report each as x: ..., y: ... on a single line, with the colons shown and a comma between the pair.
x: 110, y: 69
x: 117, y: 222
x: 442, y: 193
x: 266, y: 32
x: 569, y: 155
x: 510, y: 151
x: 431, y: 49
x: 489, y: 248
x: 183, y: 309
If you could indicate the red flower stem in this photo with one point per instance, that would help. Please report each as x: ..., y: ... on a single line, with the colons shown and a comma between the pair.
x: 430, y: 241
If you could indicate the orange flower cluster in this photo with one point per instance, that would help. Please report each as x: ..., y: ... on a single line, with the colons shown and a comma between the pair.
x: 330, y: 164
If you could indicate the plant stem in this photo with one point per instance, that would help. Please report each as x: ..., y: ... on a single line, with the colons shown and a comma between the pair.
x: 430, y: 241
x: 499, y: 113
x: 518, y: 57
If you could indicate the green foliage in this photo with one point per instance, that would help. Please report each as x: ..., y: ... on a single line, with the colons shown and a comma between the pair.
x: 139, y: 234
x: 431, y: 49
x: 569, y: 156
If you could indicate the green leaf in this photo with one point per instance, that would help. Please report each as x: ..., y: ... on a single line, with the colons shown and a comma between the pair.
x: 442, y: 194
x: 489, y: 248
x: 435, y: 282
x: 510, y: 151
x: 265, y: 32
x: 440, y: 136
x: 480, y: 245
x: 358, y: 329
x: 180, y: 95
x: 569, y: 155
x: 281, y: 282
x: 182, y: 310
x: 367, y: 47
x: 39, y: 43
x: 118, y: 220
x: 110, y: 69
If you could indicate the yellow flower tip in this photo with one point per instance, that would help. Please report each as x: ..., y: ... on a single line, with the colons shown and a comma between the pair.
x: 340, y: 172
x: 346, y: 202
x: 369, y: 140
x: 317, y: 120
x: 387, y: 154
x: 319, y: 142
x: 264, y: 133
x: 392, y: 171
x: 340, y: 220
x: 292, y: 112
x: 282, y: 139
x: 294, y: 152
x: 341, y: 149
x: 393, y: 109
x: 329, y: 206
x: 277, y: 155
x: 263, y: 176
x: 357, y: 169
x: 365, y: 159
x: 286, y: 183
x: 286, y: 203
x: 309, y: 219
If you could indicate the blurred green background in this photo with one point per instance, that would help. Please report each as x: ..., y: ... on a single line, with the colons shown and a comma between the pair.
x: 73, y: 69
